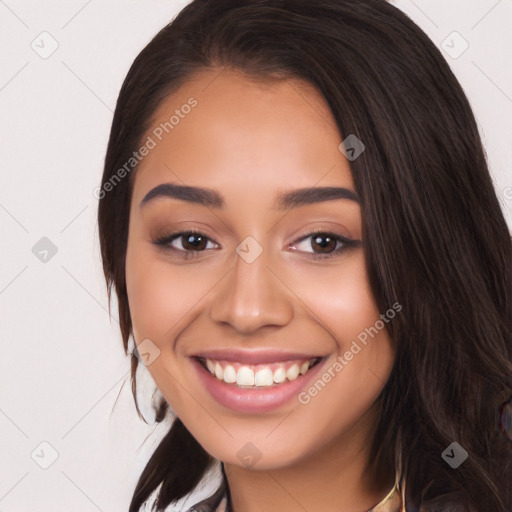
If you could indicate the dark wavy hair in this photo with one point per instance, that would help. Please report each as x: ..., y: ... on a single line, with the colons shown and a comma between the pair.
x: 435, y: 237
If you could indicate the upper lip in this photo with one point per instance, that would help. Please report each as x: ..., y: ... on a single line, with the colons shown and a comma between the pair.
x: 261, y: 356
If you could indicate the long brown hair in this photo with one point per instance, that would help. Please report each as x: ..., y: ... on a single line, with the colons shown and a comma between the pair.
x: 435, y: 238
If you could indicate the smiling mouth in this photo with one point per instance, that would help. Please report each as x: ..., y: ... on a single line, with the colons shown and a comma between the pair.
x: 253, y: 376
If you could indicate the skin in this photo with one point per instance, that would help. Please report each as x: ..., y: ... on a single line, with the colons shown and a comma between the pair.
x: 251, y: 140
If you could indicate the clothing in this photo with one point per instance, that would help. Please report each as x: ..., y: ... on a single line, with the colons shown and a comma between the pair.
x: 394, y: 501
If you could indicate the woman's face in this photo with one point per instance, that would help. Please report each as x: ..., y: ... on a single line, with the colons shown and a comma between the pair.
x: 273, y: 281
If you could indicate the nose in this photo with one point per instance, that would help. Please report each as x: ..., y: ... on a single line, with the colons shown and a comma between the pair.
x: 252, y: 296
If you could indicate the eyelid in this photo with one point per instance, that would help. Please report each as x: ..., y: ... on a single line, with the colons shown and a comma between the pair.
x: 322, y: 231
x: 164, y: 240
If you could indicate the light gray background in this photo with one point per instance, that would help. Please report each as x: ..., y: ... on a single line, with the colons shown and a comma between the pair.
x: 62, y: 366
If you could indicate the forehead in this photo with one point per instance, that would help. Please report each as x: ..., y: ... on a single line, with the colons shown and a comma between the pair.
x: 226, y: 130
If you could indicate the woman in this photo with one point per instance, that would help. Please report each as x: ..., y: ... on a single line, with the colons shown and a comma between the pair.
x: 299, y: 223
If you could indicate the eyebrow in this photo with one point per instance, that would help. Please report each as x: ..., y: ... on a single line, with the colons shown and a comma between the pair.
x: 212, y: 198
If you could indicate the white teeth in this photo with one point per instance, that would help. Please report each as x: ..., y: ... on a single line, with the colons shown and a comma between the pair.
x: 292, y: 372
x: 229, y: 374
x: 263, y: 377
x: 257, y: 375
x: 279, y: 375
x: 245, y: 376
x: 219, y: 372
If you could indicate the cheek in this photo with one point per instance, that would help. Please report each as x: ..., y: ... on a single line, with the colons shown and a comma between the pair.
x: 340, y: 297
x: 360, y: 363
x: 342, y: 302
x: 162, y: 296
x: 149, y: 293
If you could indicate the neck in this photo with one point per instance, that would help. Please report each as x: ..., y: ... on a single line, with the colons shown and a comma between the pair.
x: 333, y: 479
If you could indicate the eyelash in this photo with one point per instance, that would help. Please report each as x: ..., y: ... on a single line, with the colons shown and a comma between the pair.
x: 165, y: 240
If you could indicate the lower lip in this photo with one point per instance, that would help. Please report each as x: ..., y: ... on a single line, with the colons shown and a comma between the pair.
x: 254, y: 400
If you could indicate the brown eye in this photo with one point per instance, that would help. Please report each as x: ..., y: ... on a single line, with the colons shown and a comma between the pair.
x: 325, y: 243
x: 184, y: 241
x: 193, y: 241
